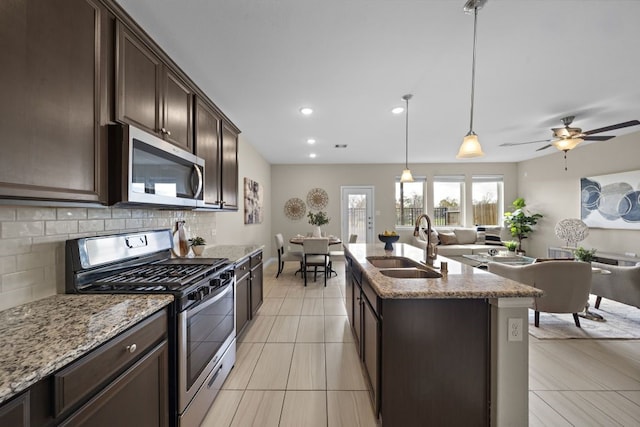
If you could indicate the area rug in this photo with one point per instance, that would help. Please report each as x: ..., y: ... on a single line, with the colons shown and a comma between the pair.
x: 622, y: 322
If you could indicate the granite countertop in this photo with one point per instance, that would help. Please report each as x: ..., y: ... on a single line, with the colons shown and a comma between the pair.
x: 461, y: 280
x: 39, y: 338
x: 234, y: 252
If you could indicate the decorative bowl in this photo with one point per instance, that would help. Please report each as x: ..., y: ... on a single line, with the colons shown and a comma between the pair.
x: 388, y: 240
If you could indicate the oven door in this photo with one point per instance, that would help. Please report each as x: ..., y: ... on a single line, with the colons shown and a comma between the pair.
x: 205, y: 331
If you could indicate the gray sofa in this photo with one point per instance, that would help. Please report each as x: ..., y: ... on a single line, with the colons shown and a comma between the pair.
x: 622, y: 285
x: 457, y: 241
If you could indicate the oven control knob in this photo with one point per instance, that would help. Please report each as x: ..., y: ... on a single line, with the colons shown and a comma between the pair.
x: 195, y: 296
x: 215, y: 283
x: 225, y: 275
x: 203, y: 291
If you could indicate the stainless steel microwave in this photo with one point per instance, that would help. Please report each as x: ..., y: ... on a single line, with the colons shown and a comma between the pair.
x: 146, y: 170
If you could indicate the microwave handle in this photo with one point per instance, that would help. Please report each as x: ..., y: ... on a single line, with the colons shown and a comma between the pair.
x: 199, y: 188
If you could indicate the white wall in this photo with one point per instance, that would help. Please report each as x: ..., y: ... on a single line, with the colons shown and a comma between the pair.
x: 296, y: 180
x: 230, y: 226
x: 555, y: 193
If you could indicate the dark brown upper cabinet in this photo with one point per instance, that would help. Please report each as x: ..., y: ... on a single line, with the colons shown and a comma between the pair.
x: 229, y: 166
x: 216, y: 141
x: 150, y: 94
x: 207, y: 146
x: 55, y: 106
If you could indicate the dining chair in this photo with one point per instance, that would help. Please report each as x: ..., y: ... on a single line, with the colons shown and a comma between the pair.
x: 315, y: 254
x: 285, y: 256
x: 337, y: 255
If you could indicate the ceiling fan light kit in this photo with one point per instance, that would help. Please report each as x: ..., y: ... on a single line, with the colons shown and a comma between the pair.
x: 470, y: 147
x: 406, y: 173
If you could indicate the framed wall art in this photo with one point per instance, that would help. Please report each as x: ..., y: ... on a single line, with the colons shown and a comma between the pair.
x: 611, y: 201
x: 253, y: 210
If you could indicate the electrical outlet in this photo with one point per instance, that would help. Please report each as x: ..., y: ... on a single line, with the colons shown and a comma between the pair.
x: 515, y: 330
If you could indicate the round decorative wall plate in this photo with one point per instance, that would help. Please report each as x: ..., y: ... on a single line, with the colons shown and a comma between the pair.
x: 317, y: 198
x: 295, y: 208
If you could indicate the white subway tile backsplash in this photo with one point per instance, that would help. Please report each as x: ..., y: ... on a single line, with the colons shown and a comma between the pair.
x: 61, y: 227
x: 90, y: 225
x: 22, y: 229
x: 7, y: 264
x: 35, y: 259
x: 98, y: 213
x: 32, y: 242
x: 114, y: 224
x: 72, y: 213
x: 35, y: 213
x: 22, y: 279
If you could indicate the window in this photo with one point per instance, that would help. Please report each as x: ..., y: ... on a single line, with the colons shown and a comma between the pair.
x: 487, y: 194
x: 409, y: 201
x: 448, y: 192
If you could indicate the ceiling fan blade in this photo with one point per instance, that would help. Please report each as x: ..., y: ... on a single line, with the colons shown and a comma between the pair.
x: 598, y: 138
x: 613, y: 127
x: 545, y: 147
x: 511, y: 144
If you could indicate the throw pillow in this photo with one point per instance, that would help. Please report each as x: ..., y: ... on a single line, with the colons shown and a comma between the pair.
x: 492, y: 236
x: 447, y: 238
x: 482, y: 234
x: 466, y: 236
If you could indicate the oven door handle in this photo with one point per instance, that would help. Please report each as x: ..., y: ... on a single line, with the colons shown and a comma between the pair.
x: 212, y: 299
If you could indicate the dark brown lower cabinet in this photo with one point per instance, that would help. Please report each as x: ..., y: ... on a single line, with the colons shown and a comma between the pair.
x: 256, y: 287
x: 124, y: 383
x: 243, y: 315
x: 15, y: 413
x: 371, y: 350
x: 138, y: 397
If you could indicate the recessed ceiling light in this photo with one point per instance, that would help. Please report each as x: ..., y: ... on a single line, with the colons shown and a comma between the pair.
x: 306, y: 110
x: 311, y: 141
x: 398, y: 110
x: 312, y: 155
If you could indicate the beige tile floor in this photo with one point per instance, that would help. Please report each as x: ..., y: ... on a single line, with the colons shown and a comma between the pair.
x: 297, y: 365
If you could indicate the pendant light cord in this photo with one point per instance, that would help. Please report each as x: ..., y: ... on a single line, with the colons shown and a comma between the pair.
x: 406, y: 140
x: 473, y: 65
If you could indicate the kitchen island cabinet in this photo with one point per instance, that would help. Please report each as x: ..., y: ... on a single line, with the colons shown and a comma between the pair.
x: 55, y: 104
x: 430, y: 347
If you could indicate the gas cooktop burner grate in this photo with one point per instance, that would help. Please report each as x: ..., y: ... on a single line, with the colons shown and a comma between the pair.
x: 165, y: 276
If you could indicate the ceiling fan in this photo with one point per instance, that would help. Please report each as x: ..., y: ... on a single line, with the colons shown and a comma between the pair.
x: 567, y: 138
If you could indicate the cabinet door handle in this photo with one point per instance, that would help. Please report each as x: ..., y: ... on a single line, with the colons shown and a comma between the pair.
x: 132, y: 348
x: 164, y: 131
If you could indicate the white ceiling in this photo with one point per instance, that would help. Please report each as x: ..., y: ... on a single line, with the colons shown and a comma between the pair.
x: 352, y: 60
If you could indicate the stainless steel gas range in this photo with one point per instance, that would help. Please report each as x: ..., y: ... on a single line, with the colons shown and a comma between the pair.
x: 202, y: 329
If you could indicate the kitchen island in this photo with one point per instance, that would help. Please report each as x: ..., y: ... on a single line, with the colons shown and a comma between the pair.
x: 438, y: 351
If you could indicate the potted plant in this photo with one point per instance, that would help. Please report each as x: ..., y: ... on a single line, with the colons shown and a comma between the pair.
x: 586, y: 255
x: 318, y: 219
x: 511, y: 245
x: 197, y: 245
x: 520, y: 221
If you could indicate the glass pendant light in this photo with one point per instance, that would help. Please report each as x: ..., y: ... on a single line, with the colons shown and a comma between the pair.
x: 470, y: 145
x: 406, y: 173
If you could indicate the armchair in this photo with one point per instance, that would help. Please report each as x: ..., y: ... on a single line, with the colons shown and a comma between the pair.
x: 566, y: 285
x: 316, y: 254
x: 284, y: 256
x: 622, y: 285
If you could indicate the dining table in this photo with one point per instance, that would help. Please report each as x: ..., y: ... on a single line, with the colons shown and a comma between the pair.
x: 333, y: 240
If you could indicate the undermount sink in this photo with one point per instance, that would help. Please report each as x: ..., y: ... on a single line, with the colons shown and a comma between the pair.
x: 410, y: 273
x: 391, y: 262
